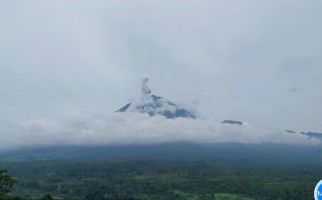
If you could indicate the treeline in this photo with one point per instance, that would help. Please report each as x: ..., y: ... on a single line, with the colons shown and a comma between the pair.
x: 6, y: 183
x: 104, y: 180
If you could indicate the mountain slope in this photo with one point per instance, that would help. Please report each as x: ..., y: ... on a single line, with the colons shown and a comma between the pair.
x: 156, y: 105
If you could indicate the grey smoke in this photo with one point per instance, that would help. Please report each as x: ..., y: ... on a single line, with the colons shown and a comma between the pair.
x: 145, y: 88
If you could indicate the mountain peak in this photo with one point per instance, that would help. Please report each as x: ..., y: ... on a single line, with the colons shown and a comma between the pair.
x: 155, y: 105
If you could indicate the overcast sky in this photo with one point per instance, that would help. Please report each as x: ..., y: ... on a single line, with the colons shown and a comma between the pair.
x: 250, y: 60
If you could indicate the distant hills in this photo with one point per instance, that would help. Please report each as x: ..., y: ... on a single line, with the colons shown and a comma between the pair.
x: 233, y: 122
x: 220, y: 152
x: 310, y: 134
x: 154, y: 105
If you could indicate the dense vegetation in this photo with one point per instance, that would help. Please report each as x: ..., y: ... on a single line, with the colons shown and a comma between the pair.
x: 6, y: 182
x: 162, y: 180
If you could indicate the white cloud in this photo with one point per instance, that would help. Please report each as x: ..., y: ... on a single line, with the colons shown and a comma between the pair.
x: 234, y: 59
x: 135, y: 128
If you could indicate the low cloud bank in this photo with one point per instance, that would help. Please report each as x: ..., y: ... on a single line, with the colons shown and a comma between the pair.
x: 133, y: 128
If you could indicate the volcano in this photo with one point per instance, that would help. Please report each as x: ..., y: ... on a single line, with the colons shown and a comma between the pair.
x: 154, y: 105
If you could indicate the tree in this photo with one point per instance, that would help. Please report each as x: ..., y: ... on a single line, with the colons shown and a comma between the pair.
x: 6, y: 183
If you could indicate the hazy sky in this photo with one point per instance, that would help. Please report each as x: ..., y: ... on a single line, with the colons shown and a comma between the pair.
x: 250, y: 60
